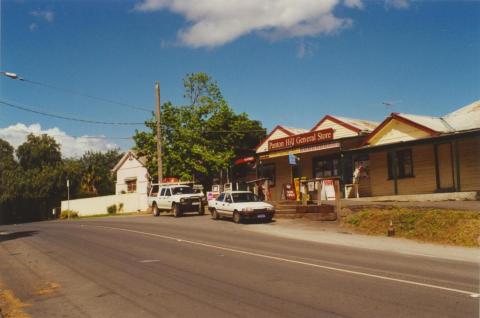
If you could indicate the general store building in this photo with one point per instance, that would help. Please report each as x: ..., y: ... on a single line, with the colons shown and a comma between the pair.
x: 414, y: 154
x: 319, y: 151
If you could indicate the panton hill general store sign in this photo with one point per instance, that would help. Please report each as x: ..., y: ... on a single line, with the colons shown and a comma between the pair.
x: 308, y: 138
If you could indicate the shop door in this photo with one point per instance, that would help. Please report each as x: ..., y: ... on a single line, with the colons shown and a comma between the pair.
x: 445, y: 167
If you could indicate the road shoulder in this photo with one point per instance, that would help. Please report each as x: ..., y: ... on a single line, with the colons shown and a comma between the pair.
x: 329, y: 234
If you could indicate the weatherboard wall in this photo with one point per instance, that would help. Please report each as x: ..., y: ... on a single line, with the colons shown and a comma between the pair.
x: 469, y: 155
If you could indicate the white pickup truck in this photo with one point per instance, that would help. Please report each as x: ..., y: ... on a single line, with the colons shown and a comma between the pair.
x: 240, y: 205
x: 175, y: 198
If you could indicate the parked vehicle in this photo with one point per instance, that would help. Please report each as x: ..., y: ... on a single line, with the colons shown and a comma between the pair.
x: 240, y: 205
x: 177, y: 198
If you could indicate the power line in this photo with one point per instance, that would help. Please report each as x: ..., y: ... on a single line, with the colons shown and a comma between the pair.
x: 27, y: 109
x: 69, y: 91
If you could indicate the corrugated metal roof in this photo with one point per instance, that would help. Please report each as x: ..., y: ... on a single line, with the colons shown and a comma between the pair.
x: 294, y: 130
x: 432, y: 122
x: 362, y: 124
x: 465, y: 118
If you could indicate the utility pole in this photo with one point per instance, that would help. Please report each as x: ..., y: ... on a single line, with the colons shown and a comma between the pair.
x: 159, y: 134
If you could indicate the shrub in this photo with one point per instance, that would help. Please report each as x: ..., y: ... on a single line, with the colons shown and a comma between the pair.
x: 120, y: 207
x: 64, y: 214
x: 112, y: 209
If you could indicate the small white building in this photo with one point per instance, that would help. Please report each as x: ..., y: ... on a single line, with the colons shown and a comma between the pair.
x: 132, y: 175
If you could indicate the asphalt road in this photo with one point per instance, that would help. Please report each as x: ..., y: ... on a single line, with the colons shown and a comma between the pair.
x: 197, y: 267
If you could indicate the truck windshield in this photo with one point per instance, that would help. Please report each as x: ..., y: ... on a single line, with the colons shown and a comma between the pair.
x: 182, y: 190
x: 244, y: 197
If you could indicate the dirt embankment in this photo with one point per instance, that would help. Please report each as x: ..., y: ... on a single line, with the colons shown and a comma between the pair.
x: 444, y: 226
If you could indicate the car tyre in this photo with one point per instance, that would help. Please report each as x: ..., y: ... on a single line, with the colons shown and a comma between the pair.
x: 215, y: 214
x: 237, y: 218
x: 176, y: 211
x: 155, y: 210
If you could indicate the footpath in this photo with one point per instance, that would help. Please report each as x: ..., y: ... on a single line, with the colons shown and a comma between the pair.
x: 331, y: 233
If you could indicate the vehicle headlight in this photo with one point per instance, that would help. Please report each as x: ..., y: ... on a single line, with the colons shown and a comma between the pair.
x: 269, y: 208
x: 247, y: 210
x: 182, y: 200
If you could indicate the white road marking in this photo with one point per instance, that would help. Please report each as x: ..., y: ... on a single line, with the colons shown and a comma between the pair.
x: 149, y: 261
x: 286, y: 260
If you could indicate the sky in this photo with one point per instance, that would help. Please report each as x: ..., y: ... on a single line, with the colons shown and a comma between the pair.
x: 281, y: 61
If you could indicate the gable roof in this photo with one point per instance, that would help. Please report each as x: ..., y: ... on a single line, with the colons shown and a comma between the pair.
x: 404, y: 119
x: 437, y: 124
x: 465, y: 118
x: 142, y: 160
x: 356, y: 125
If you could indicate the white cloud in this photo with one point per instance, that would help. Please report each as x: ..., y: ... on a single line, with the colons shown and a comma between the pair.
x: 304, y: 49
x: 216, y: 22
x: 70, y: 146
x: 354, y: 4
x: 397, y: 4
x: 46, y: 15
x: 33, y: 26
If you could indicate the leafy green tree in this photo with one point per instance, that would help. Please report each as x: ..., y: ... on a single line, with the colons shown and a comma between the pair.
x: 39, y: 151
x: 38, y: 181
x: 200, y: 138
x: 96, y: 167
x: 8, y: 177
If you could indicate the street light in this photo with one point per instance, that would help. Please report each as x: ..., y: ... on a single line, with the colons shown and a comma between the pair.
x: 12, y: 75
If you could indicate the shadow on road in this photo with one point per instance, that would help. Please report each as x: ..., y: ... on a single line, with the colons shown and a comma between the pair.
x: 7, y: 236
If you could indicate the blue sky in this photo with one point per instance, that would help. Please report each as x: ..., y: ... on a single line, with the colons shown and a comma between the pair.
x: 290, y: 64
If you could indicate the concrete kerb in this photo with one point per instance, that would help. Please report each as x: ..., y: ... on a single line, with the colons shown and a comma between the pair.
x: 301, y: 230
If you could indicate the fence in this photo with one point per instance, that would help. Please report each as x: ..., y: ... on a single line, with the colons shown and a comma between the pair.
x: 130, y: 202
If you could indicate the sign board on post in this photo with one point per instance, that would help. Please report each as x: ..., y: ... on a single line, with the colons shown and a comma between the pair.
x: 289, y: 191
x: 292, y: 159
x: 328, y: 190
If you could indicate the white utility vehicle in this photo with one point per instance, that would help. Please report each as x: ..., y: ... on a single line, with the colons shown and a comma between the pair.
x: 240, y: 205
x: 176, y: 198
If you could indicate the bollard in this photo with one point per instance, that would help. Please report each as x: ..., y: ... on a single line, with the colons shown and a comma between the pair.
x: 391, y: 229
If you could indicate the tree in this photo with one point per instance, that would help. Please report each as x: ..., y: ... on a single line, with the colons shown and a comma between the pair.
x: 97, y: 178
x: 36, y: 183
x: 200, y: 138
x: 39, y: 151
x: 8, y: 177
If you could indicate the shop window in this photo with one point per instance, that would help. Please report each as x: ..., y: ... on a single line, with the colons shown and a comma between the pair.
x: 131, y: 185
x: 268, y: 171
x: 404, y: 164
x: 325, y: 167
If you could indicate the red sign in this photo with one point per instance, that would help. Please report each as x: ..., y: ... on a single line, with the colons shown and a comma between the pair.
x: 169, y: 180
x: 289, y: 192
x: 308, y: 138
x: 244, y: 160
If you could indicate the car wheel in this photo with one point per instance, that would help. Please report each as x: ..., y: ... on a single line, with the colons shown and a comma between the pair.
x: 176, y: 211
x: 155, y: 210
x: 237, y: 218
x: 215, y: 214
x: 268, y: 219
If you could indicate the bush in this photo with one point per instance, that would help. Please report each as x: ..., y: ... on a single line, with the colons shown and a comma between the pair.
x: 64, y: 214
x: 112, y: 209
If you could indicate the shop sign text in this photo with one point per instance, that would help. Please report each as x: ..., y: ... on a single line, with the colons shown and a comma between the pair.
x: 301, y: 139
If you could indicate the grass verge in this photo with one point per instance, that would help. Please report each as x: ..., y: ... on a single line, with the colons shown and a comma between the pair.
x: 461, y: 228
